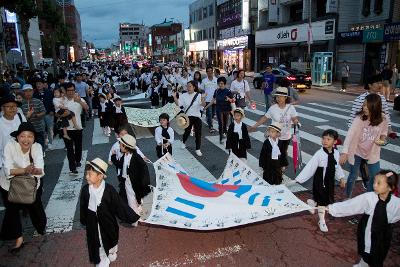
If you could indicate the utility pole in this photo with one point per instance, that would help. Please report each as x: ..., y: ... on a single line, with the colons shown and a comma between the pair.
x: 309, y: 37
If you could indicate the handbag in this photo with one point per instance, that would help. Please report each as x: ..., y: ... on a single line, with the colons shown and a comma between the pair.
x: 23, y: 188
x: 241, y: 101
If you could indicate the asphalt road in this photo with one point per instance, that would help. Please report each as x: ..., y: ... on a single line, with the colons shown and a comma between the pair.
x: 288, y: 241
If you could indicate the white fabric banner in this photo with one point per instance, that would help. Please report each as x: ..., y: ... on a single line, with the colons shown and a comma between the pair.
x: 240, y: 196
x: 149, y: 117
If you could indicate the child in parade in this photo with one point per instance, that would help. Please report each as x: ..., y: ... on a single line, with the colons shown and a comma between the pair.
x: 154, y: 92
x: 100, y: 206
x: 238, y: 140
x: 164, y: 136
x: 324, y: 167
x: 106, y: 108
x: 270, y: 155
x: 134, y: 172
x: 119, y: 116
x: 364, y: 139
x: 380, y: 209
x: 60, y: 109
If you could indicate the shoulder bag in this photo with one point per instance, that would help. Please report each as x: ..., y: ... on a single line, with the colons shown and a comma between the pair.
x: 241, y: 101
x: 191, y: 103
x: 23, y: 188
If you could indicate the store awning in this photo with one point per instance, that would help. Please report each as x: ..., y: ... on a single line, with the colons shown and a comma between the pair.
x: 290, y: 44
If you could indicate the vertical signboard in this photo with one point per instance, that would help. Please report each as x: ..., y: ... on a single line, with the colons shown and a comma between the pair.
x: 245, y: 14
x: 273, y: 11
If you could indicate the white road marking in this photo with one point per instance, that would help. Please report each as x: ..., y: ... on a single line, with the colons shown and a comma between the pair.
x: 190, y: 163
x: 389, y: 147
x: 302, y: 115
x: 323, y: 112
x: 198, y: 257
x: 330, y: 107
x: 98, y: 136
x: 60, y: 210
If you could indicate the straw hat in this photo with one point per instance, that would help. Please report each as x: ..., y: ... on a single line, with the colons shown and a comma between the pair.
x: 281, y: 91
x: 276, y: 125
x: 128, y: 141
x: 182, y: 120
x: 239, y: 110
x: 99, y: 165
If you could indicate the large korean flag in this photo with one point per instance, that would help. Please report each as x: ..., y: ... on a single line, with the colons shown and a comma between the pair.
x: 238, y: 197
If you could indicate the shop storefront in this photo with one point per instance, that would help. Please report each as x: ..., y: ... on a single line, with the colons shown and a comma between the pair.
x: 236, y: 51
x: 202, y: 51
x: 288, y: 45
x: 391, y: 36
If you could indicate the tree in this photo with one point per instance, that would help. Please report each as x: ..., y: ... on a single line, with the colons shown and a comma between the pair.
x: 25, y: 10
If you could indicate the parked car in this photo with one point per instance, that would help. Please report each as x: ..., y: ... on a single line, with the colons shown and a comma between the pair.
x: 279, y: 75
x: 299, y: 80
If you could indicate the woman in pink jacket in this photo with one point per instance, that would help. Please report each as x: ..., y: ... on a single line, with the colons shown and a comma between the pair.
x: 364, y: 140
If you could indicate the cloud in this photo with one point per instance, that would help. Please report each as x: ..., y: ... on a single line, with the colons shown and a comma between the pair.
x: 100, y: 18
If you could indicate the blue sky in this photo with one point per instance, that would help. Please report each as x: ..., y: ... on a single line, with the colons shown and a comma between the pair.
x: 100, y: 18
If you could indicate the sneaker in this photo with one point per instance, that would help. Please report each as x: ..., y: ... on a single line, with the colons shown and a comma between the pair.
x: 183, y: 146
x: 322, y: 226
x: 74, y: 172
x: 344, y: 90
x: 198, y: 153
x: 311, y: 203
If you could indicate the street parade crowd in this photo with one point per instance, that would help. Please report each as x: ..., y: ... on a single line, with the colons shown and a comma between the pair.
x: 38, y: 107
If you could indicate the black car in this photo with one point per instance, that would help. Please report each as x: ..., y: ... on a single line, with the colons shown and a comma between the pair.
x: 299, y: 80
x: 279, y: 75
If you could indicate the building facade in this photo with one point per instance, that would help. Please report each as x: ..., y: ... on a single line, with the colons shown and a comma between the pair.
x: 167, y: 41
x: 368, y: 36
x: 133, y: 37
x: 236, y: 21
x: 73, y: 21
x: 283, y: 31
x: 202, y: 14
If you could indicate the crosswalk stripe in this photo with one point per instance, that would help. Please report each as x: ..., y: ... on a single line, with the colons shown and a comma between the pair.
x: 389, y: 147
x: 302, y: 115
x: 323, y: 112
x: 330, y: 107
x: 60, y: 209
x: 252, y: 162
x: 98, y: 136
x: 190, y: 162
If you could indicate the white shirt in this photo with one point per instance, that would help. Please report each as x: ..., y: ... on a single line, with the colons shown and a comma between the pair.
x: 159, y: 138
x: 14, y: 158
x: 185, y: 99
x: 125, y: 165
x: 209, y: 87
x: 365, y: 204
x: 116, y: 148
x: 283, y: 116
x: 240, y: 87
x: 183, y: 82
x: 7, y: 127
x: 76, y: 108
x: 167, y: 80
x: 320, y: 159
x: 58, y: 103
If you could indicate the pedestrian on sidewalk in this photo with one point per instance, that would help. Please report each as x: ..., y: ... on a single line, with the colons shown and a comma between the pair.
x: 364, y: 140
x: 270, y: 155
x: 22, y: 156
x: 100, y: 206
x: 345, y: 75
x: 387, y: 74
x: 209, y: 85
x: 77, y: 105
x: 268, y: 86
x: 284, y: 113
x: 324, y: 167
x: 380, y: 210
x: 191, y: 103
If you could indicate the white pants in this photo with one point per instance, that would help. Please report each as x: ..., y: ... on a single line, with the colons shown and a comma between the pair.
x: 131, y: 196
x: 104, y: 259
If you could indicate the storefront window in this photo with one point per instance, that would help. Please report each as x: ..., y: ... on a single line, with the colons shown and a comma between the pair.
x: 366, y: 8
x: 378, y: 7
